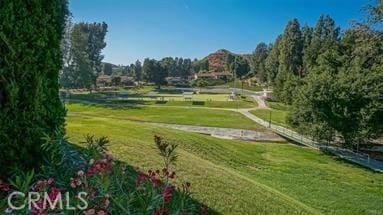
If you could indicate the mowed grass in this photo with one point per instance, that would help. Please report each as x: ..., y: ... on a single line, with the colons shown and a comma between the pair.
x: 187, y: 116
x: 279, y: 112
x: 278, y: 117
x: 237, y: 177
x: 197, y: 100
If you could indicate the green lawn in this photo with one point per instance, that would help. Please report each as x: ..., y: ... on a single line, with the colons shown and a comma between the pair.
x: 238, y: 84
x: 277, y: 116
x: 176, y: 115
x: 166, y: 99
x: 237, y: 177
x: 278, y: 105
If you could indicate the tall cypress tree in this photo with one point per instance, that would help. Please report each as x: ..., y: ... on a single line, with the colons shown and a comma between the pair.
x: 325, y: 36
x: 259, y: 57
x: 290, y: 58
x: 272, y: 60
x: 290, y: 61
x: 30, y: 60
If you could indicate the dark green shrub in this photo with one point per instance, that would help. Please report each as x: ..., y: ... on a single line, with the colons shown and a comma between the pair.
x: 30, y: 60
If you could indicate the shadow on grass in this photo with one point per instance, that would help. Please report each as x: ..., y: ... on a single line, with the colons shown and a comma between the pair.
x: 133, y: 173
x: 161, y: 102
x: 115, y: 104
x: 170, y: 91
x: 198, y: 103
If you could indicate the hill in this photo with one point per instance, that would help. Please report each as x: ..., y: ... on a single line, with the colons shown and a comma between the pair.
x: 219, y: 61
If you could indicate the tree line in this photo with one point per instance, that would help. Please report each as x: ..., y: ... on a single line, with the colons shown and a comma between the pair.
x: 154, y: 71
x: 333, y: 79
x: 82, y: 46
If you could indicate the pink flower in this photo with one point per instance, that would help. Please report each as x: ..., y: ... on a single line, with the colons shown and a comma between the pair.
x: 156, y: 181
x: 74, y: 182
x: 4, y: 186
x: 142, y: 177
x: 167, y: 193
x: 38, y: 207
x: 80, y: 173
x: 156, y: 212
x: 39, y: 185
x: 165, y: 211
x: 55, y: 192
x: 101, y: 213
x: 90, y: 212
x: 51, y: 180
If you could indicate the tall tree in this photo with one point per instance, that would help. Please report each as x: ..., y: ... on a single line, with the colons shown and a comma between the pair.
x: 240, y: 68
x: 229, y: 59
x: 108, y: 69
x: 290, y: 61
x: 30, y: 61
x: 259, y: 58
x: 154, y: 72
x: 290, y: 56
x: 325, y: 36
x: 138, y: 71
x: 186, y: 68
x: 86, y: 44
x: 272, y: 60
x: 342, y: 95
x: 96, y: 43
x: 171, y: 66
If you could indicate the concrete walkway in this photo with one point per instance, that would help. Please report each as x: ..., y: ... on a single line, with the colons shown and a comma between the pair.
x: 227, y: 133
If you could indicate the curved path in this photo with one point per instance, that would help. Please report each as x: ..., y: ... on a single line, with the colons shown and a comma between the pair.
x: 358, y: 158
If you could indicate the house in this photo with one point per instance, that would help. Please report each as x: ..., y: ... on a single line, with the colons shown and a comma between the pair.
x: 104, y: 80
x: 213, y: 75
x: 127, y: 80
x: 267, y: 94
x: 176, y: 80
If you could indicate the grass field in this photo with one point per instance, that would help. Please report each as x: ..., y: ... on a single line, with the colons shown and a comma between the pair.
x: 279, y: 112
x: 236, y: 177
x: 238, y: 84
x: 167, y: 99
x: 187, y: 116
x: 278, y: 117
x: 278, y: 105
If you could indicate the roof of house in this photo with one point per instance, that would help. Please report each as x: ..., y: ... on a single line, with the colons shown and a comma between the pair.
x: 125, y: 78
x: 104, y: 78
x: 214, y: 74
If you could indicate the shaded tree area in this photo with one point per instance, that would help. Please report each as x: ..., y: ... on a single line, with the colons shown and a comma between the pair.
x: 200, y: 65
x: 30, y: 60
x: 333, y: 81
x: 83, y: 62
x: 341, y: 96
x: 259, y: 57
x: 154, y: 72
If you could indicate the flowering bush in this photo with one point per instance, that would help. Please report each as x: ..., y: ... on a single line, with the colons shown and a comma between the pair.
x: 101, y: 186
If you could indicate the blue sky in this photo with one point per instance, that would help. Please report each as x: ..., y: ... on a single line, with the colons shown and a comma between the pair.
x: 195, y: 28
